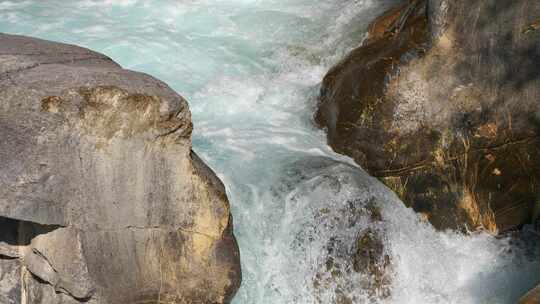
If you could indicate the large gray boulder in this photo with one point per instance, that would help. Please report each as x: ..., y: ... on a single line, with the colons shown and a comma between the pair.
x: 101, y: 198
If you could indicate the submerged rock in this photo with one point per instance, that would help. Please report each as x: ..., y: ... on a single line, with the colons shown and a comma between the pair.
x: 101, y: 198
x: 441, y: 104
x: 339, y: 231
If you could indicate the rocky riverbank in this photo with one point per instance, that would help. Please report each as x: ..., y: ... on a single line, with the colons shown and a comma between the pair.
x: 101, y: 198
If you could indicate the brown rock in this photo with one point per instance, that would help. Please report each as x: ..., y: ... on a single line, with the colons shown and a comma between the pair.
x: 441, y: 103
x: 532, y: 297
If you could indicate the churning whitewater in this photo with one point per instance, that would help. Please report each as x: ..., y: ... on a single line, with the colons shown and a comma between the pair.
x: 250, y: 70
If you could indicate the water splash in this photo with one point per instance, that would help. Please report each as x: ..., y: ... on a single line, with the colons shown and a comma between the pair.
x: 250, y: 70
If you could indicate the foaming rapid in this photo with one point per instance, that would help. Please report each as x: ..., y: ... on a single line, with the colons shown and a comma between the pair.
x: 250, y: 70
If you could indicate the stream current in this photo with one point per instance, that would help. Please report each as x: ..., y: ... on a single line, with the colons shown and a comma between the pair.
x: 250, y: 70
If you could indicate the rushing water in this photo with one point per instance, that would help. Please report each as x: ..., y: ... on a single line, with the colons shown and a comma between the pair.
x: 250, y: 70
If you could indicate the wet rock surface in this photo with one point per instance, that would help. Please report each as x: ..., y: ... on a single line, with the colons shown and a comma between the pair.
x: 101, y: 198
x: 441, y: 104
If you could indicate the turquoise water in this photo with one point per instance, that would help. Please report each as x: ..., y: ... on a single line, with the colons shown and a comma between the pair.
x: 250, y: 71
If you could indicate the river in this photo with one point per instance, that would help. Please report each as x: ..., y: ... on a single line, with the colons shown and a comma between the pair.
x: 250, y: 70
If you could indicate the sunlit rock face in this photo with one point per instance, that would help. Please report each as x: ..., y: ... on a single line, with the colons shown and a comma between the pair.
x: 101, y: 198
x: 441, y: 103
